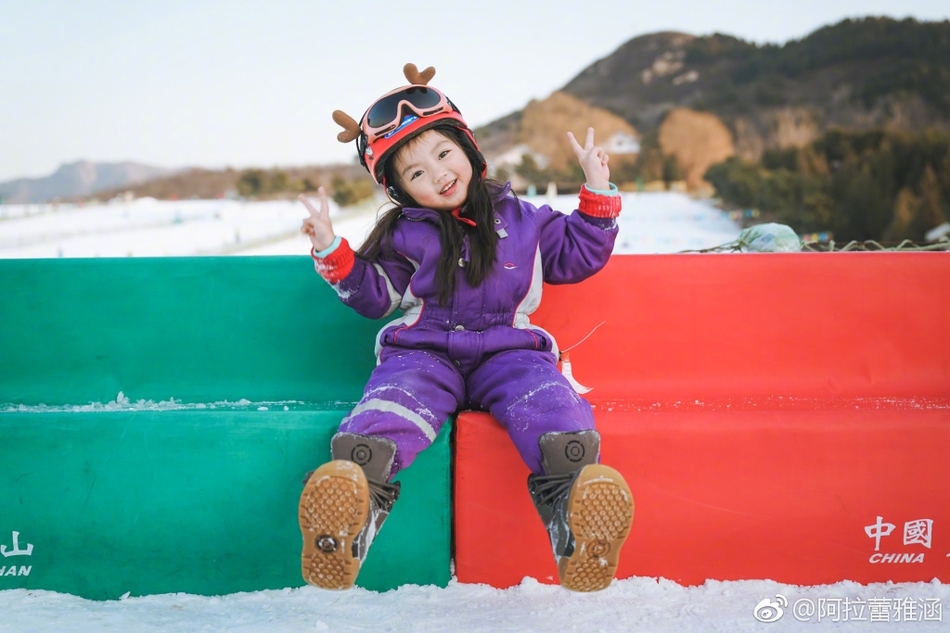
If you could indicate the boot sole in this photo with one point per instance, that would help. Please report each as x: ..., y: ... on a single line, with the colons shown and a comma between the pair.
x: 334, y: 507
x: 599, y: 514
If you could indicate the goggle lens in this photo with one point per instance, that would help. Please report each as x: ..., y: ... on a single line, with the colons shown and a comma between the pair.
x: 386, y: 109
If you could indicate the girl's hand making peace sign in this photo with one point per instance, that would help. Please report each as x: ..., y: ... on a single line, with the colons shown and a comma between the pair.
x: 317, y: 225
x: 593, y: 160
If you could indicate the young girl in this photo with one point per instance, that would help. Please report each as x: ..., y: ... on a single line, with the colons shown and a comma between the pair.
x: 464, y: 259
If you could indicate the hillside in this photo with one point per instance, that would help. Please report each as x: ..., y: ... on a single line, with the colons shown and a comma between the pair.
x: 696, y: 101
x: 857, y: 74
x: 256, y: 183
x: 78, y: 179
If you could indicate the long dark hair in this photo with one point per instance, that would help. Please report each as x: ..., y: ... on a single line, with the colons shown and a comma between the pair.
x: 479, y: 206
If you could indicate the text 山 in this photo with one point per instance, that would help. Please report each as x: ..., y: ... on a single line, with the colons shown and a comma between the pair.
x: 16, y: 550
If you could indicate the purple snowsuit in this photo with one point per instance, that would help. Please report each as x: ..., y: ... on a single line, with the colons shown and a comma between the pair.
x: 479, y: 351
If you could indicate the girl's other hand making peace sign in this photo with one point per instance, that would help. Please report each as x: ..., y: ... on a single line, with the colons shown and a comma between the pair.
x: 593, y: 160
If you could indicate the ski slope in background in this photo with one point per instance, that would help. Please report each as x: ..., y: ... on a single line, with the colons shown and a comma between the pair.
x: 650, y: 223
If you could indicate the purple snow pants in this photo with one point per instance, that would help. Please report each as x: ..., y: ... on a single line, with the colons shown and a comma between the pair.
x: 412, y: 392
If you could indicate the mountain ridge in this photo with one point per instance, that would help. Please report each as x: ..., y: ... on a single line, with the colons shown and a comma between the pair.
x: 691, y: 101
x: 78, y: 179
x: 856, y: 74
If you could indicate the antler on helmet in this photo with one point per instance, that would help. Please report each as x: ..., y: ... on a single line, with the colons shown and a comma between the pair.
x: 351, y: 129
x: 418, y: 78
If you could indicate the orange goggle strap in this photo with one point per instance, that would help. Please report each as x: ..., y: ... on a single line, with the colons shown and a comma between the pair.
x: 599, y: 205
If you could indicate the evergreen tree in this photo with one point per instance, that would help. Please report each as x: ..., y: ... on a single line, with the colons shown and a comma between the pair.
x: 931, y: 208
x: 906, y: 212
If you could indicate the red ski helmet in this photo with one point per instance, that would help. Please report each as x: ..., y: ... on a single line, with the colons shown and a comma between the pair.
x: 396, y: 117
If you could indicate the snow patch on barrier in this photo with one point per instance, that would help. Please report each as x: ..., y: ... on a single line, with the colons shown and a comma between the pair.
x: 775, y: 403
x: 124, y: 403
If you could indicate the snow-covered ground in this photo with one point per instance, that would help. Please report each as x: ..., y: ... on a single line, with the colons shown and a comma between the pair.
x: 650, y: 223
x: 634, y: 604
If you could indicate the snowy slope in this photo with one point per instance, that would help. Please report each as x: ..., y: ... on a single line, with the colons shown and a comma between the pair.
x: 650, y: 223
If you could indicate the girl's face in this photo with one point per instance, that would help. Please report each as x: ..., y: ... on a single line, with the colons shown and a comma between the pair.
x: 434, y: 170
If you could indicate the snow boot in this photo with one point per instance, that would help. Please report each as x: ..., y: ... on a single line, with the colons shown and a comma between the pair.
x: 586, y: 507
x: 343, y: 506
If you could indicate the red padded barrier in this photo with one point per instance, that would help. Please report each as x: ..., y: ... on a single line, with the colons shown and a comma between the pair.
x: 705, y: 326
x: 765, y: 410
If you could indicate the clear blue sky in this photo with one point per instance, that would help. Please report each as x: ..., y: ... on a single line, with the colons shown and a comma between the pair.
x: 252, y: 83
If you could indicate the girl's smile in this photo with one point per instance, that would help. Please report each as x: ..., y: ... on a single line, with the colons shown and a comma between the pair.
x: 435, y: 171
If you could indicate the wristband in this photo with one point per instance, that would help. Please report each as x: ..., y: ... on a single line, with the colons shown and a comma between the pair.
x: 338, y: 264
x: 600, y: 205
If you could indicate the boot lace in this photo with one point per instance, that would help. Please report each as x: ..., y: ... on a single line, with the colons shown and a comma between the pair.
x: 549, y: 493
x: 548, y: 488
x: 383, y: 495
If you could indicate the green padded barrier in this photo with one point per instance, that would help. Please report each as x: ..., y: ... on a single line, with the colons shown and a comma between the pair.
x: 197, y: 495
x: 202, y: 329
x: 195, y: 501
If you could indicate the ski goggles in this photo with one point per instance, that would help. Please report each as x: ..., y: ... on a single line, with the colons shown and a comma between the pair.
x: 385, y: 116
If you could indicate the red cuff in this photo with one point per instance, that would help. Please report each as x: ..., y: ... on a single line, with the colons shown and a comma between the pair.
x: 337, y: 265
x: 599, y: 206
